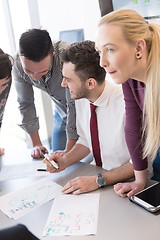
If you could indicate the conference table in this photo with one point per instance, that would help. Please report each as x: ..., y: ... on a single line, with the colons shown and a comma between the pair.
x: 118, y: 218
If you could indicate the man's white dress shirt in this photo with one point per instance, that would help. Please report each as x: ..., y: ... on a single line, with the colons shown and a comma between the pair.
x: 111, y: 120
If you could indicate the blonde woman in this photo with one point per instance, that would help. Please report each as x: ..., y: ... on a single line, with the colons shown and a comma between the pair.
x: 129, y: 49
x: 5, y: 84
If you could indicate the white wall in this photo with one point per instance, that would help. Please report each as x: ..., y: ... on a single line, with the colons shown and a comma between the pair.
x: 61, y: 15
x: 54, y: 15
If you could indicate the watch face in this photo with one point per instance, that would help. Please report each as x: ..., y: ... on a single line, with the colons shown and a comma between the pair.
x: 101, y: 181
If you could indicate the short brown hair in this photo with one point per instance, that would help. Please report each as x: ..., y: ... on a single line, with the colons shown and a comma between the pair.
x: 86, y: 60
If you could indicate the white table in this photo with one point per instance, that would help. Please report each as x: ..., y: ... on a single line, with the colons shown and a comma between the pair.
x: 119, y: 219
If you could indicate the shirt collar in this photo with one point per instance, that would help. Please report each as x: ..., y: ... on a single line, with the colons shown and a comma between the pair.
x: 48, y: 76
x: 49, y: 73
x: 103, y: 99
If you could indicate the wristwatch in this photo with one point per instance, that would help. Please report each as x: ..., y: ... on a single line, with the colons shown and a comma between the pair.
x: 101, y: 181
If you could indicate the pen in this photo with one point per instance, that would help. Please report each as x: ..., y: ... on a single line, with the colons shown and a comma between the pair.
x: 41, y: 170
x: 47, y: 157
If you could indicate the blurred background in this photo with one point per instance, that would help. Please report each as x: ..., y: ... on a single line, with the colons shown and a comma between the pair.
x: 56, y: 16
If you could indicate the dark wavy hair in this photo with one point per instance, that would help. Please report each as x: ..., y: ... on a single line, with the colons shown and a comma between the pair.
x: 6, y: 62
x: 86, y: 60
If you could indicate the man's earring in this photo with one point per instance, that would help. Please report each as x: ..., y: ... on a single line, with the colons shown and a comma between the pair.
x: 138, y: 57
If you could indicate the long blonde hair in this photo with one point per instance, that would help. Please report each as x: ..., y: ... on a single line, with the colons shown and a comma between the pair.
x: 136, y: 28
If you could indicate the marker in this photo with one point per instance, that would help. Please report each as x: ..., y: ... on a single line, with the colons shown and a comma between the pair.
x: 40, y: 170
x: 47, y: 157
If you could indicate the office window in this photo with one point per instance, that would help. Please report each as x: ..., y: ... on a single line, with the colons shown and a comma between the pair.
x: 20, y: 17
x: 4, y: 41
x: 11, y: 133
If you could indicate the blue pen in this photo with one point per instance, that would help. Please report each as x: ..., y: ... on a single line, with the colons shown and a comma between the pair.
x: 47, y: 157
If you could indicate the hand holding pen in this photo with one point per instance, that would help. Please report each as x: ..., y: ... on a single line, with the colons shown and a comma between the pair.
x: 54, y: 164
x: 59, y: 160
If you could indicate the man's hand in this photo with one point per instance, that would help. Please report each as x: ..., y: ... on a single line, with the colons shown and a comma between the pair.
x: 60, y: 152
x: 81, y: 185
x: 1, y: 151
x: 36, y: 152
x: 128, y: 189
x: 69, y: 145
x: 58, y: 159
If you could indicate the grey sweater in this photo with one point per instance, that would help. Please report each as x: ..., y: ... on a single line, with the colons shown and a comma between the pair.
x: 52, y: 85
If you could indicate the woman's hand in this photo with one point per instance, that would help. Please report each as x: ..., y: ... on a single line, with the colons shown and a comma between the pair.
x: 128, y: 189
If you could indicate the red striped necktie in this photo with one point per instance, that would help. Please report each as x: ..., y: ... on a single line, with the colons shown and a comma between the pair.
x: 94, y: 136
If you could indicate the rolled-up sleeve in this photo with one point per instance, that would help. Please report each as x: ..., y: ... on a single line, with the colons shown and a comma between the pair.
x: 81, y: 130
x: 82, y: 138
x: 25, y: 98
x: 71, y: 118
